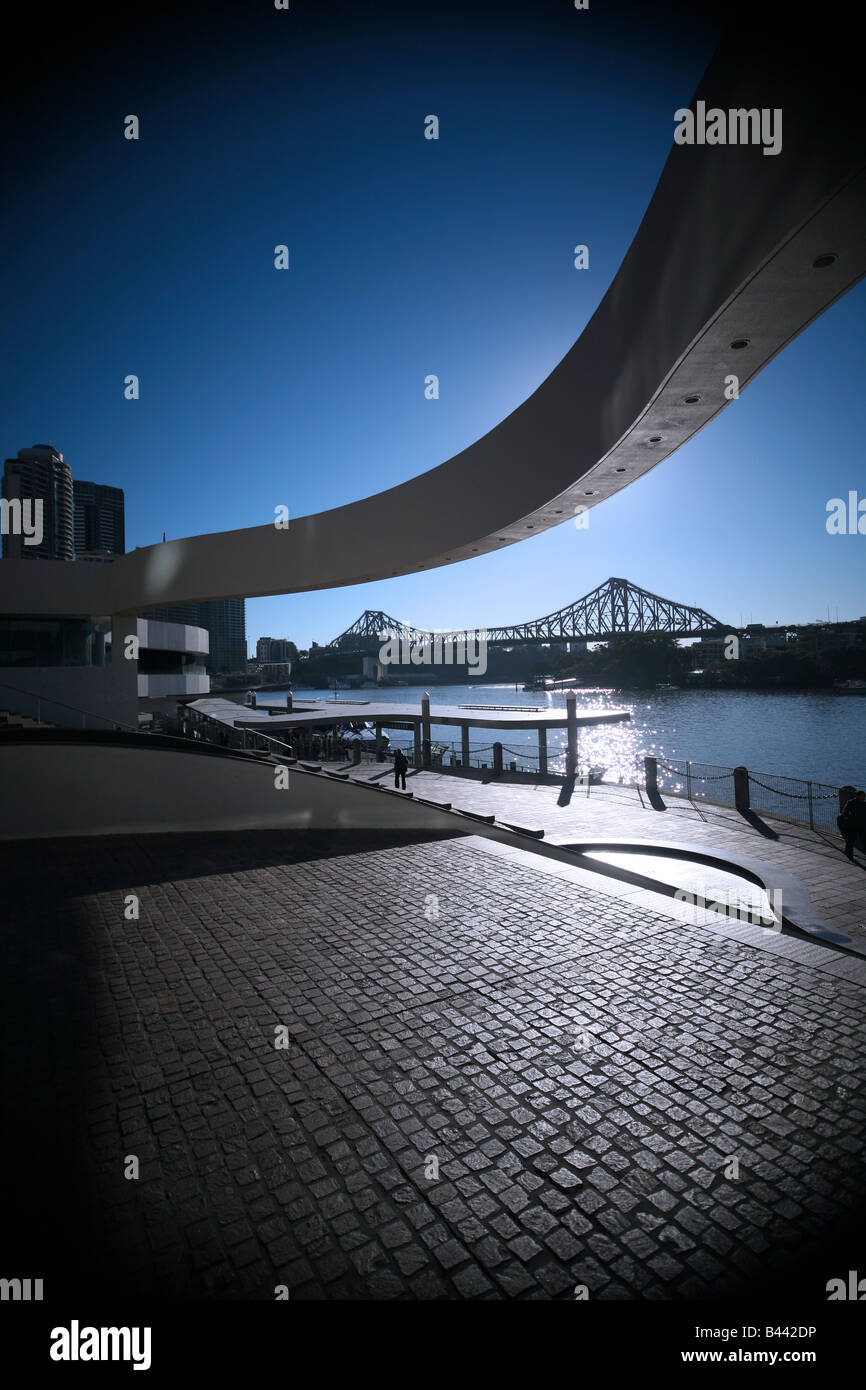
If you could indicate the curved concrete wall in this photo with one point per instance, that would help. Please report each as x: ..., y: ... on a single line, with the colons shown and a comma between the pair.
x: 725, y: 251
x: 156, y: 687
x: 173, y: 637
x: 64, y: 789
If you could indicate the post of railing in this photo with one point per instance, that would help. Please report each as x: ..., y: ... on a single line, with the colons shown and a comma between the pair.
x: 571, y: 716
x: 741, y: 788
x: 497, y: 759
x: 425, y: 728
x: 651, y: 773
x: 688, y: 780
x: 811, y: 818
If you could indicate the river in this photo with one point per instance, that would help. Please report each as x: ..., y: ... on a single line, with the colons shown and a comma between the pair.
x: 817, y: 735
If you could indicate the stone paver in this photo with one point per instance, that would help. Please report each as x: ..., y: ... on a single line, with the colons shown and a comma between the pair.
x: 837, y: 888
x: 498, y: 1083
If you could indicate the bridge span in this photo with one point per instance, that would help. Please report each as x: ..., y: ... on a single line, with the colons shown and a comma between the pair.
x: 616, y: 608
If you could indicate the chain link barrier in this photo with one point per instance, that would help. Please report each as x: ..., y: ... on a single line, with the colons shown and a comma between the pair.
x: 772, y: 793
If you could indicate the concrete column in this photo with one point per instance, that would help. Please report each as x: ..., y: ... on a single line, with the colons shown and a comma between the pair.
x: 741, y: 788
x: 651, y: 772
x: 417, y: 737
x: 571, y: 712
x: 497, y: 758
x: 464, y: 744
x: 425, y: 721
x: 124, y: 670
x: 542, y: 748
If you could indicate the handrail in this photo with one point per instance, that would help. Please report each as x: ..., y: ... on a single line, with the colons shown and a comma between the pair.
x: 269, y: 738
x: 63, y: 704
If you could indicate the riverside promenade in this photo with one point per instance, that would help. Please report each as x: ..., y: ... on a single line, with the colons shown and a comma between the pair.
x: 383, y: 1066
x: 836, y: 886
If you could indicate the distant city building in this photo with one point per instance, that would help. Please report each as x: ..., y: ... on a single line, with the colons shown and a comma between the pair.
x: 99, y: 519
x: 40, y: 475
x: 757, y: 639
x: 273, y: 671
x: 273, y: 649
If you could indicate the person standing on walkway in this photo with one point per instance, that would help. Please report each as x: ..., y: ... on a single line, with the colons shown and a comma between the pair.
x: 401, y: 762
x: 852, y: 822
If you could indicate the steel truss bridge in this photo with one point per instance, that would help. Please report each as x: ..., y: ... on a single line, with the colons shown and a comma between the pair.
x: 616, y: 608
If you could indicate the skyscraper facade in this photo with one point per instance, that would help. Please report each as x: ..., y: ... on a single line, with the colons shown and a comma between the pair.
x: 39, y: 475
x: 225, y: 620
x: 98, y: 519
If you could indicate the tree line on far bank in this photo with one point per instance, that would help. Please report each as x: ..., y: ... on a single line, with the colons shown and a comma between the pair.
x: 641, y: 662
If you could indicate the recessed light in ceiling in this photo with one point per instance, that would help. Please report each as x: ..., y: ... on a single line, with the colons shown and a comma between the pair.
x: 821, y: 262
x: 739, y: 343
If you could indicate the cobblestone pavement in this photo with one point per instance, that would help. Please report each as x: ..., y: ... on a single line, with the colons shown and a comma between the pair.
x: 837, y: 888
x: 496, y: 1085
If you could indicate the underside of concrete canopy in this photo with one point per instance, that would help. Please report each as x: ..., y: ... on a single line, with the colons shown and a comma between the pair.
x: 739, y: 250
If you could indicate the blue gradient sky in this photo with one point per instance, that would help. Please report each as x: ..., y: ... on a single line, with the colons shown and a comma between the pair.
x: 408, y: 257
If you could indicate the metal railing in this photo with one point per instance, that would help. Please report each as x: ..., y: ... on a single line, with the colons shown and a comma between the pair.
x: 100, y: 720
x: 815, y: 804
x: 697, y: 781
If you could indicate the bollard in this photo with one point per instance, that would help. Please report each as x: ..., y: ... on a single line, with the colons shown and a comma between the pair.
x: 497, y: 758
x: 741, y: 788
x: 425, y: 736
x: 571, y: 714
x: 651, y: 772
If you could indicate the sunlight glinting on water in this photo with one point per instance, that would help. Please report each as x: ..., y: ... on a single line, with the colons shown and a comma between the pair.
x: 819, y: 735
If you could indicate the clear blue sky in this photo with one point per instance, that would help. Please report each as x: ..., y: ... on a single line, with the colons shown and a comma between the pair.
x: 408, y: 257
